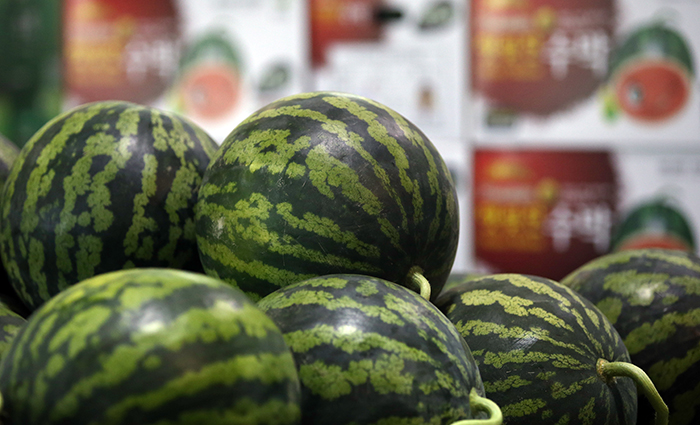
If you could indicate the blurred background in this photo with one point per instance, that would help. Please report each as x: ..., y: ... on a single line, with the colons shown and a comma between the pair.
x: 572, y: 128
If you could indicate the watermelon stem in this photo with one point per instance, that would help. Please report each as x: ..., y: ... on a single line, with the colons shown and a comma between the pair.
x: 419, y: 282
x: 482, y: 404
x: 610, y: 370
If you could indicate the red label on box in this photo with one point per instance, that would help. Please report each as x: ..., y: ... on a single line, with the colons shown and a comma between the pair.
x: 126, y: 50
x: 539, y: 56
x: 542, y: 212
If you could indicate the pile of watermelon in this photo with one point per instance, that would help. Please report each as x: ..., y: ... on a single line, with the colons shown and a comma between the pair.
x: 300, y: 273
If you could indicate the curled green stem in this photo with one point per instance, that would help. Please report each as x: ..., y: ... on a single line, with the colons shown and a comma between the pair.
x: 482, y: 404
x: 419, y: 282
x: 609, y: 370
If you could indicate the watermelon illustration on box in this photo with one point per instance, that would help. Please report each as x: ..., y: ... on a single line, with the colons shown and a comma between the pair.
x: 651, y: 75
x: 658, y: 223
x: 209, y: 82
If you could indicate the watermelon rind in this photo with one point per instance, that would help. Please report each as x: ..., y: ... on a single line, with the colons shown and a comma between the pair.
x: 538, y: 345
x: 658, y: 218
x: 653, y: 40
x: 652, y: 297
x: 149, y: 346
x: 104, y: 186
x: 326, y: 183
x: 370, y: 351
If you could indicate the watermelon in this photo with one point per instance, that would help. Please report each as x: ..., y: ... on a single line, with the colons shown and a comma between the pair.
x: 546, y: 354
x: 652, y: 297
x: 149, y: 346
x: 8, y: 154
x: 327, y: 183
x: 369, y: 351
x: 102, y: 187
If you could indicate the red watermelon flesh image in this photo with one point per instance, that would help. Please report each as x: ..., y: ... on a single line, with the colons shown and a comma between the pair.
x: 653, y: 90
x: 651, y: 73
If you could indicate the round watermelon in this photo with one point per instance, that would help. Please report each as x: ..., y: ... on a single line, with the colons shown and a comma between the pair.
x: 652, y: 296
x: 546, y: 354
x: 10, y: 323
x: 327, y: 183
x: 8, y: 154
x: 369, y: 351
x: 149, y: 346
x: 104, y: 186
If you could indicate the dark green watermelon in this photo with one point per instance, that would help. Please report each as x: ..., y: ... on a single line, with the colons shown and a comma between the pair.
x: 102, y: 187
x: 541, y: 348
x: 652, y: 296
x: 149, y: 346
x: 369, y: 351
x: 8, y: 154
x: 326, y: 183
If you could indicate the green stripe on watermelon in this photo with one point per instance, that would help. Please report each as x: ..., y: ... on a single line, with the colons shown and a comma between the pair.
x: 149, y: 346
x: 652, y: 296
x: 370, y: 351
x: 546, y: 355
x: 325, y: 183
x: 102, y: 187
